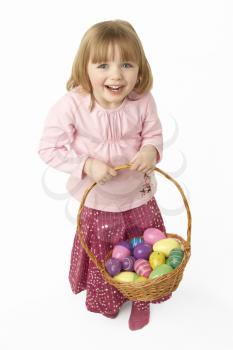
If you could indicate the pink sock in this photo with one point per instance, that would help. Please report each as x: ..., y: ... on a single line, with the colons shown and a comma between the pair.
x: 140, y: 315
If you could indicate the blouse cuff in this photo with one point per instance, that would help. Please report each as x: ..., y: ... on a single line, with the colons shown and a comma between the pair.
x: 78, y: 172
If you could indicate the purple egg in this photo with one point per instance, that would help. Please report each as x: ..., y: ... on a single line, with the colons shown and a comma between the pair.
x: 142, y: 251
x: 128, y: 263
x: 113, y: 266
x: 124, y: 244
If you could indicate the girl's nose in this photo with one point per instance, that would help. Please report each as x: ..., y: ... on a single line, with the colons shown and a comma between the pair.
x: 116, y: 73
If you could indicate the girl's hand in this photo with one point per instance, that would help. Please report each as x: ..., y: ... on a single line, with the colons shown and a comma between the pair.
x: 99, y: 171
x: 145, y: 160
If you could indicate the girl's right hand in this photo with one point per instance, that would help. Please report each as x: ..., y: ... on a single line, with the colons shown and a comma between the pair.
x: 99, y: 171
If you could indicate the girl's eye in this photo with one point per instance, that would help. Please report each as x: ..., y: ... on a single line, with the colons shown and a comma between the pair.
x: 103, y: 65
x: 127, y: 64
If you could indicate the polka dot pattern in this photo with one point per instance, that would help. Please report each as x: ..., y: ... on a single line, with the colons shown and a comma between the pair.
x: 101, y: 231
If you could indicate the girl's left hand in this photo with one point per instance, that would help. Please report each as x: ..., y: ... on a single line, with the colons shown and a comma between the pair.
x: 144, y: 160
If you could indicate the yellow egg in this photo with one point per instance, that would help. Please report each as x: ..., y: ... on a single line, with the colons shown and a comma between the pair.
x: 156, y: 258
x: 166, y: 245
x: 125, y: 276
x: 140, y: 279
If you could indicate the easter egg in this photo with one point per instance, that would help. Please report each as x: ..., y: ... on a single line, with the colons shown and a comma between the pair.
x: 142, y: 267
x: 152, y: 235
x: 160, y: 270
x: 125, y: 244
x: 119, y: 252
x: 113, y: 266
x: 166, y: 245
x: 175, y: 257
x: 142, y: 251
x: 140, y: 279
x: 156, y: 258
x: 135, y: 241
x: 128, y: 263
x: 125, y: 276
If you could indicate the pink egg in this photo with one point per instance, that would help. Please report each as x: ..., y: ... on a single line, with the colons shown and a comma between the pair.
x: 142, y: 267
x: 124, y: 244
x: 119, y: 252
x: 152, y: 235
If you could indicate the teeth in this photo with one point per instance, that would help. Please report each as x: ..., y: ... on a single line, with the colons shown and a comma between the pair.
x: 114, y: 86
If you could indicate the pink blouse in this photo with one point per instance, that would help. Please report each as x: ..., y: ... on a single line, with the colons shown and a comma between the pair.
x: 72, y: 134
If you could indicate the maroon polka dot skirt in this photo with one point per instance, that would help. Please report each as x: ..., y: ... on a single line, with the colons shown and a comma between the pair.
x: 101, y: 231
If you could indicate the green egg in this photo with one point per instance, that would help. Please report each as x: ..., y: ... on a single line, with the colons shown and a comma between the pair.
x: 160, y: 270
x: 175, y: 257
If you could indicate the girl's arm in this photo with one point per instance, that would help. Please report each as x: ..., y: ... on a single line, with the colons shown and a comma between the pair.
x: 152, y: 130
x: 58, y: 134
x: 152, y: 150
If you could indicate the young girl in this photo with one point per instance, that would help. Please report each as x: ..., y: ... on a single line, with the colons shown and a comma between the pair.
x: 107, y: 118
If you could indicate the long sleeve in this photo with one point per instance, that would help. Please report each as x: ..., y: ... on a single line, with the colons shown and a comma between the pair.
x: 152, y: 129
x: 55, y: 147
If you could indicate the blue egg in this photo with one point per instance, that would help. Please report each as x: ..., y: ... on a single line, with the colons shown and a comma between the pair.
x: 135, y: 241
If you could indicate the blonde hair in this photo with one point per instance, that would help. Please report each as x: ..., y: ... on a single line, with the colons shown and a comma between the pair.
x: 96, y: 41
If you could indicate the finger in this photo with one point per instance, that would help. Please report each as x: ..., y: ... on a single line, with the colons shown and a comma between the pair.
x: 148, y: 172
x: 112, y: 172
x: 105, y: 179
x: 143, y: 168
x: 134, y: 166
x: 108, y: 177
x: 133, y: 159
x: 144, y: 171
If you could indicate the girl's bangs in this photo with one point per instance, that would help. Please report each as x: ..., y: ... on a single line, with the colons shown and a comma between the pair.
x: 100, y: 51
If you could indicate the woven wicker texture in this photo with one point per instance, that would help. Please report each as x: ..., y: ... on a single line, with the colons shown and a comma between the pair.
x: 151, y: 289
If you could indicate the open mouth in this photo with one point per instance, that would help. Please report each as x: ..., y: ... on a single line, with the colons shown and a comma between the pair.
x: 114, y: 88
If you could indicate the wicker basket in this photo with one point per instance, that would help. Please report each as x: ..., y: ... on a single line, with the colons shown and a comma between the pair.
x: 152, y: 289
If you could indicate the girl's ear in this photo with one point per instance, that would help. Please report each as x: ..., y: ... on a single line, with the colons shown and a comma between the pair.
x: 138, y: 80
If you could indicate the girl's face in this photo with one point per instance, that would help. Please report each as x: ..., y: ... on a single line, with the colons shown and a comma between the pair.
x: 113, y: 80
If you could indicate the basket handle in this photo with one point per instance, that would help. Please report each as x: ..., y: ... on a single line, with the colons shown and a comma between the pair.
x: 125, y: 166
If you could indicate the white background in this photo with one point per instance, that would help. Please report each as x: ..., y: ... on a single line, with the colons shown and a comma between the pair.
x: 189, y: 47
